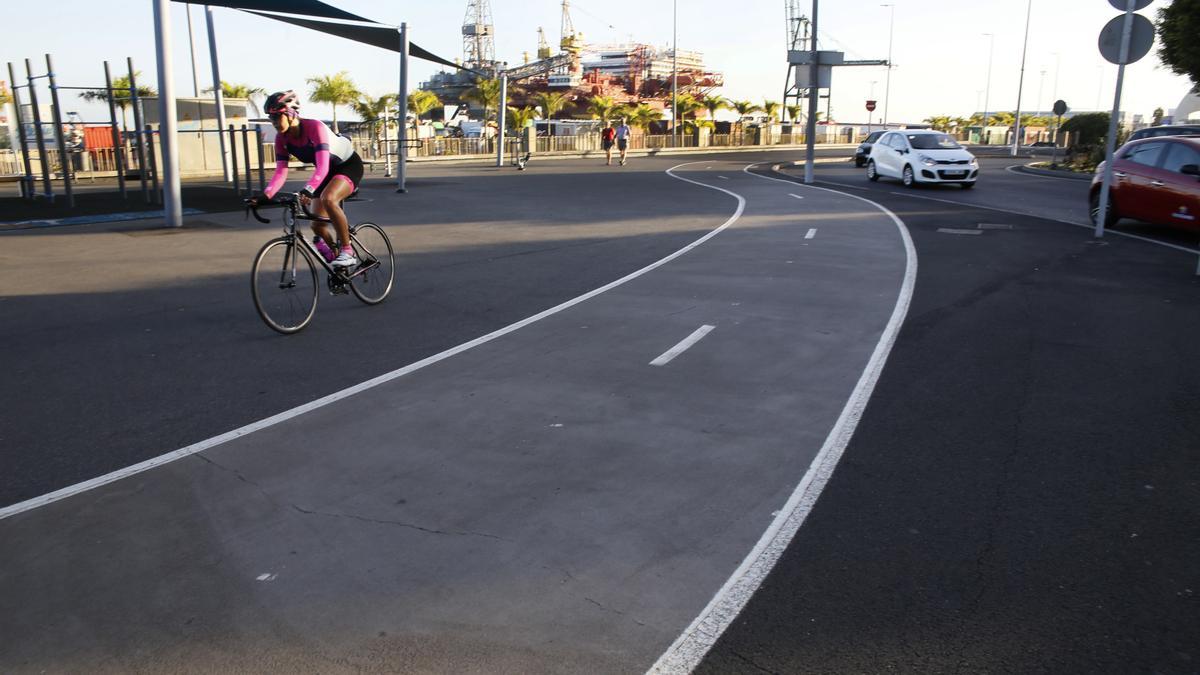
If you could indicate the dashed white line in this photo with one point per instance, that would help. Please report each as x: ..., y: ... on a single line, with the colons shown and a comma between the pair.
x: 811, y: 233
x: 683, y: 346
x: 795, y: 195
x: 956, y: 230
x: 723, y: 177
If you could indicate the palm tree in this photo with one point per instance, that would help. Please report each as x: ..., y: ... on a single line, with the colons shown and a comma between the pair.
x: 1001, y: 119
x: 743, y: 108
x: 643, y: 115
x: 771, y: 108
x: 371, y: 110
x: 519, y: 118
x: 712, y: 104
x: 230, y: 90
x: 486, y: 93
x: 421, y: 102
x: 939, y: 122
x: 551, y: 102
x: 794, y: 112
x: 120, y: 95
x: 688, y: 107
x: 335, y: 90
x: 601, y: 108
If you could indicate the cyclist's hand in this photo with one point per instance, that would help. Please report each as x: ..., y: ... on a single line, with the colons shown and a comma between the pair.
x: 305, y: 198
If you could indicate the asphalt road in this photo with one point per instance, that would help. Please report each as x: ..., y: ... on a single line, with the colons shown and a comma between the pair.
x: 1018, y: 496
x: 1021, y: 495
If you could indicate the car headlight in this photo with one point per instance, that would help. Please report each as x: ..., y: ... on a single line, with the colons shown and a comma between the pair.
x: 974, y: 161
x: 927, y: 161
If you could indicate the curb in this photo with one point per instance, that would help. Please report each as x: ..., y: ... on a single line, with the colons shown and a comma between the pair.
x: 592, y: 154
x: 1053, y: 173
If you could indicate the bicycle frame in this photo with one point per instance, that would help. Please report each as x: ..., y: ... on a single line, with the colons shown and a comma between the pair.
x: 290, y: 216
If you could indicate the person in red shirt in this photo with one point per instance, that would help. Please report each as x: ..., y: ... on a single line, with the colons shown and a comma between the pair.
x: 607, y: 138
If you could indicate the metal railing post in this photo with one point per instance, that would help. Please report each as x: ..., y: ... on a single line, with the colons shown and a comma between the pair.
x: 237, y: 187
x: 63, y: 159
x: 262, y: 176
x: 26, y: 180
x: 37, y: 129
x: 116, y: 135
x: 246, y: 154
x: 135, y: 103
x: 153, y: 165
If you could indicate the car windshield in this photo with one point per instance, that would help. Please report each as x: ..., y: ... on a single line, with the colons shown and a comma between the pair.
x: 932, y: 142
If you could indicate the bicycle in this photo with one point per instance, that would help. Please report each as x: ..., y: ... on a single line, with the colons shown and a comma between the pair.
x: 283, y: 280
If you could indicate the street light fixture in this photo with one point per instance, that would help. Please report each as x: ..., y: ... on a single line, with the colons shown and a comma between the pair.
x: 887, y: 89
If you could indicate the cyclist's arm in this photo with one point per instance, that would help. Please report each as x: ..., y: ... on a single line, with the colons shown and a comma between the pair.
x: 281, y: 168
x: 320, y: 135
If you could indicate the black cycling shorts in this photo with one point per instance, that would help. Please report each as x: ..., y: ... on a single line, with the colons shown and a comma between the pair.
x: 352, y: 169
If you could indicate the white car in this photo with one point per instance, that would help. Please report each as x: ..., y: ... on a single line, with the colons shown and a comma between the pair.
x: 922, y: 156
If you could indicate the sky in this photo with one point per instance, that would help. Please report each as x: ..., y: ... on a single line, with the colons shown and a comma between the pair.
x: 939, y: 49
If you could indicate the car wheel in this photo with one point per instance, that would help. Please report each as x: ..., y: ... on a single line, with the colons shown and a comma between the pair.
x: 1110, y: 217
x: 872, y: 174
x: 909, y: 179
x: 968, y: 186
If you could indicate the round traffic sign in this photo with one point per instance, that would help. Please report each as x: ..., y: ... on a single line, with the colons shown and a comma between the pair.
x: 1137, y: 4
x: 870, y: 106
x: 1141, y: 38
x: 1060, y: 107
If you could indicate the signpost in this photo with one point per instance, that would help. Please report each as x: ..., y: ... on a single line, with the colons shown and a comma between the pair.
x: 1125, y: 39
x: 870, y: 109
x: 1060, y: 107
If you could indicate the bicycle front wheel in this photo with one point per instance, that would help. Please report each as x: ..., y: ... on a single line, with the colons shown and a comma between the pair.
x: 377, y: 268
x: 284, y: 285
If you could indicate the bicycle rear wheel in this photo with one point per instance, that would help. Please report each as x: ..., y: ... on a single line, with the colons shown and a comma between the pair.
x: 284, y: 285
x: 377, y: 269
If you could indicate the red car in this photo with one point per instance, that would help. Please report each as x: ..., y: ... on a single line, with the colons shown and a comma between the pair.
x: 1155, y: 180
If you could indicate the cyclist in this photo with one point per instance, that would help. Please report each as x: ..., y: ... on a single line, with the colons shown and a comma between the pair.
x: 338, y: 171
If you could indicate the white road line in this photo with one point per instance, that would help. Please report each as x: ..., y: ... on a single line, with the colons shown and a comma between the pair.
x: 271, y: 421
x: 683, y: 346
x: 1148, y: 240
x: 811, y: 233
x: 689, y: 649
x: 796, y: 196
x: 955, y: 230
x: 723, y: 177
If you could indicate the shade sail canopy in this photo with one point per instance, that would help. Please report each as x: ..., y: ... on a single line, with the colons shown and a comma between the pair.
x: 375, y: 34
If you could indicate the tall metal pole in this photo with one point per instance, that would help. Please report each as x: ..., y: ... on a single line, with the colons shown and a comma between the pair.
x: 987, y: 88
x: 501, y: 115
x: 387, y: 156
x: 63, y: 160
x: 167, y: 123
x: 402, y: 113
x: 887, y: 88
x: 118, y: 146
x: 1021, y: 82
x: 27, y: 182
x: 192, y: 52
x: 814, y: 94
x: 135, y: 102
x: 37, y: 133
x: 1111, y: 141
x: 675, y: 72
x: 218, y: 92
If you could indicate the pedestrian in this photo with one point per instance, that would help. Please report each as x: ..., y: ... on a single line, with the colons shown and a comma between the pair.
x: 623, y: 133
x: 607, y: 137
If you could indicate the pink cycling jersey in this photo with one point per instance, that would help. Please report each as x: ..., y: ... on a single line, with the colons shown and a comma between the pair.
x: 316, y: 145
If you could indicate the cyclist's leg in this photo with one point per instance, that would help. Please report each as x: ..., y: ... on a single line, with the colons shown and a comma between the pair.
x: 329, y: 204
x: 322, y: 229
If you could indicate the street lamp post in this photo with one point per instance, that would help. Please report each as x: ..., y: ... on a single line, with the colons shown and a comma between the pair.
x: 1021, y: 82
x: 675, y: 72
x: 987, y: 88
x: 887, y: 88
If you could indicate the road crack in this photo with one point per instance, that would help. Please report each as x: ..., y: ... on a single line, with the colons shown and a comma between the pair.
x: 397, y: 523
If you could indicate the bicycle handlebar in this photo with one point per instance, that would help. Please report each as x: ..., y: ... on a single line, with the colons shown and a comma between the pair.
x: 281, y: 199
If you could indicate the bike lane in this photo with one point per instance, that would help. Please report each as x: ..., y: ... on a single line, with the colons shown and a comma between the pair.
x: 545, y: 500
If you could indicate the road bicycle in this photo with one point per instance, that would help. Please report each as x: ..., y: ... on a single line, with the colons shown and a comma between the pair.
x: 284, y: 280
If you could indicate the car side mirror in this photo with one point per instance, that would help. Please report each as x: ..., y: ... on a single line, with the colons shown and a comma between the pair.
x: 1190, y: 169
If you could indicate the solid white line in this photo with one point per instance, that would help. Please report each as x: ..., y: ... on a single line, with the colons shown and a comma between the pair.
x: 723, y: 177
x: 683, y: 346
x: 1148, y: 240
x: 811, y: 233
x: 689, y: 649
x: 169, y: 457
x: 796, y: 196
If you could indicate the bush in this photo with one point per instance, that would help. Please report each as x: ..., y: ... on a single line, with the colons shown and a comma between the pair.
x: 1087, y: 129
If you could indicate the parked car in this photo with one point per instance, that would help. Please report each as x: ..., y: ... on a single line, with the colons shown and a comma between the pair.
x: 864, y: 148
x: 922, y: 156
x: 1155, y: 180
x: 1168, y: 130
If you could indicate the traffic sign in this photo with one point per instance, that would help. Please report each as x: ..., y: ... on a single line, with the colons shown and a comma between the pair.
x: 870, y: 106
x: 1141, y: 38
x: 1137, y: 4
x: 1060, y: 107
